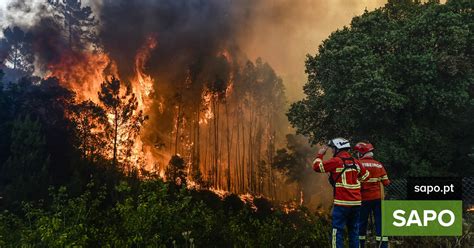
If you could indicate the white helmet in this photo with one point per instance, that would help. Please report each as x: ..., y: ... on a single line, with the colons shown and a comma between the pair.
x: 339, y: 144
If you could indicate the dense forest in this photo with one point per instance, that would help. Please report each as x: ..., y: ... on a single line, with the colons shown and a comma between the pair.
x: 172, y: 137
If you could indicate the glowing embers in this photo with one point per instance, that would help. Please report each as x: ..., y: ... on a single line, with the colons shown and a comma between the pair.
x: 219, y: 192
x: 207, y: 97
x: 289, y: 207
x: 230, y: 83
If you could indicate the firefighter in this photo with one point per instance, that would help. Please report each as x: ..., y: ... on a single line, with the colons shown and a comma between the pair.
x: 372, y: 193
x: 345, y: 174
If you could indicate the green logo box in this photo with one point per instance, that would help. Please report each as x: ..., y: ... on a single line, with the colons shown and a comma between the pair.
x: 421, y: 218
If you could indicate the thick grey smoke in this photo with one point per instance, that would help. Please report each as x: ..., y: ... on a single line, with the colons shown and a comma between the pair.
x: 282, y: 32
x: 22, y: 13
x: 187, y: 31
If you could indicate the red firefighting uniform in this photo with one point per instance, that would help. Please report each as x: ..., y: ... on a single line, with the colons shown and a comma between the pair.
x: 347, y: 192
x: 371, y: 197
x: 371, y: 187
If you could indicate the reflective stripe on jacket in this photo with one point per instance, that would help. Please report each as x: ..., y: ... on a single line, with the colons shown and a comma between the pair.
x: 347, y: 191
x: 371, y: 187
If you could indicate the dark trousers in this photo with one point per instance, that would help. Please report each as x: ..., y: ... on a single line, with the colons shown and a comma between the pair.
x: 368, y: 208
x: 342, y: 217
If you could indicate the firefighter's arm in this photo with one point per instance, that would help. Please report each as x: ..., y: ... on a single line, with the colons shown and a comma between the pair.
x: 384, y: 178
x: 364, y: 173
x: 324, y: 166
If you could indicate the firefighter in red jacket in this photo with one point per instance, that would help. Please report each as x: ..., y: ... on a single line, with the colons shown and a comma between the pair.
x: 345, y: 175
x: 371, y: 193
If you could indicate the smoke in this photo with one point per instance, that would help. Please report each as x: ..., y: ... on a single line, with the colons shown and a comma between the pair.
x: 192, y: 40
x: 22, y: 13
x: 190, y: 32
x: 187, y: 32
x: 282, y: 32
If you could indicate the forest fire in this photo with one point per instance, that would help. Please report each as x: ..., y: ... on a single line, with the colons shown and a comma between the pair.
x: 157, y: 123
x: 143, y: 84
x: 206, y: 104
x: 222, y: 150
x: 84, y: 72
x: 165, y: 91
x: 75, y: 68
x: 289, y: 207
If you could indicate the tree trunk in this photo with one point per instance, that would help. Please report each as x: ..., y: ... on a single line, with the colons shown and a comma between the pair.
x: 250, y: 146
x: 216, y: 142
x: 198, y: 142
x: 228, y: 146
x: 237, y: 154
x: 15, y: 58
x: 178, y: 117
x: 207, y: 168
x: 114, y: 161
x: 243, y: 163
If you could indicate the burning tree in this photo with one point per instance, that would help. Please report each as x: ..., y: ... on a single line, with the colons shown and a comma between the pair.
x: 216, y: 89
x: 258, y: 99
x: 176, y: 170
x: 89, y: 120
x: 125, y: 120
x: 206, y: 101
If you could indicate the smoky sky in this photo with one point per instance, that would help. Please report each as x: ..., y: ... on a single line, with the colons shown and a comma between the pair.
x: 48, y: 43
x: 186, y: 31
x: 282, y: 32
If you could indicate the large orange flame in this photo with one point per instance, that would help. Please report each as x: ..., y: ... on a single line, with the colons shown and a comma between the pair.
x: 142, y: 84
x: 81, y: 72
x: 211, y: 141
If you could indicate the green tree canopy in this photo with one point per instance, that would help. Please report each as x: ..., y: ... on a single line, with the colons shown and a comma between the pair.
x: 27, y: 166
x: 400, y: 76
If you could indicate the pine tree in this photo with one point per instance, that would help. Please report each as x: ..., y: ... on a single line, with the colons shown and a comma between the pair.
x: 17, y: 51
x: 78, y: 21
x: 124, y: 118
x: 89, y: 122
